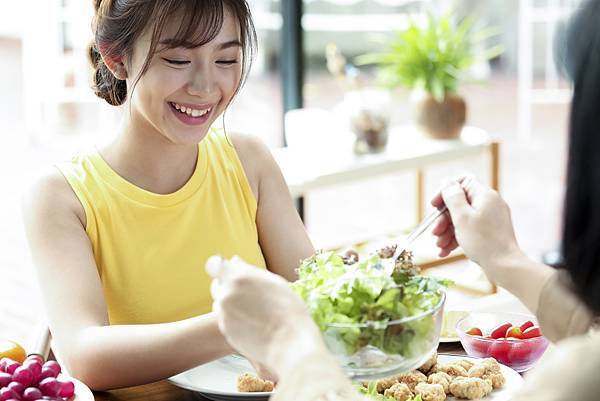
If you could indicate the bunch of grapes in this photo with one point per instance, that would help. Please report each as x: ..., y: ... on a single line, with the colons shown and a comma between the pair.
x: 33, y: 380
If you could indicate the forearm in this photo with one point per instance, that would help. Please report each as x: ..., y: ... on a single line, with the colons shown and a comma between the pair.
x: 521, y: 276
x: 127, y: 355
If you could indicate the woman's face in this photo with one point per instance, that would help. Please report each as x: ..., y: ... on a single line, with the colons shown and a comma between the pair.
x: 184, y: 90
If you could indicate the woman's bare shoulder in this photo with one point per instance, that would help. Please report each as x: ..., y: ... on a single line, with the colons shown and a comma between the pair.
x: 49, y: 191
x: 255, y: 157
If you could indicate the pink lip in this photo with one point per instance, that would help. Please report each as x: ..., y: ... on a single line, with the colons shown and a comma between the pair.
x: 189, y: 120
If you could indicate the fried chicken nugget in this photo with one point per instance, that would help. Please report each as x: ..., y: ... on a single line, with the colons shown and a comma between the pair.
x: 249, y: 383
x: 430, y: 363
x: 411, y: 379
x: 430, y: 392
x: 465, y: 363
x: 470, y: 388
x: 399, y: 391
x: 441, y: 378
x: 384, y: 384
x: 453, y: 370
x: 488, y: 368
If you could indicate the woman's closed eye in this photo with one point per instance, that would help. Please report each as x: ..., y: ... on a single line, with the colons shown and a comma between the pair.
x: 176, y: 62
x: 227, y: 62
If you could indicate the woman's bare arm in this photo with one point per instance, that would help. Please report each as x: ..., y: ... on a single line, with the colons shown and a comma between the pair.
x: 282, y: 235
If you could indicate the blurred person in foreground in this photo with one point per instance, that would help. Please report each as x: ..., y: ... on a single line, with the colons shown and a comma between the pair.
x: 261, y: 317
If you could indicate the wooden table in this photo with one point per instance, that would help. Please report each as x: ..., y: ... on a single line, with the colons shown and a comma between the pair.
x: 165, y: 391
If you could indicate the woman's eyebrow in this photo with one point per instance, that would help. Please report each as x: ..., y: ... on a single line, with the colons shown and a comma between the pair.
x: 189, y: 45
x: 230, y: 43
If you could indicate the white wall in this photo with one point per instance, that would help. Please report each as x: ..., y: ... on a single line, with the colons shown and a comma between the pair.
x: 11, y: 17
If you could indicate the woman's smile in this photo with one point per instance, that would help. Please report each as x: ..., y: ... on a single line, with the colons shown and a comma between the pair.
x: 190, y: 114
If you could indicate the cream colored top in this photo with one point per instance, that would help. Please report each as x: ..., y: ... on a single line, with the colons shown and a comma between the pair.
x: 571, y: 370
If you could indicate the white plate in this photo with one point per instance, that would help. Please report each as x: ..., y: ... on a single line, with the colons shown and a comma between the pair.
x: 514, y: 381
x: 217, y: 380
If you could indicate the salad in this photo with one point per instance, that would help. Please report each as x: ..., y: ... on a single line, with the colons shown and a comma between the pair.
x: 366, y: 303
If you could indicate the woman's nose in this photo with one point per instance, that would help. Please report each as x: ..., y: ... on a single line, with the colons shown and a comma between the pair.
x: 200, y: 83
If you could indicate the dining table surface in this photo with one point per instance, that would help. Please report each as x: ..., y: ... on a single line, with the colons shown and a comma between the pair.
x: 165, y: 391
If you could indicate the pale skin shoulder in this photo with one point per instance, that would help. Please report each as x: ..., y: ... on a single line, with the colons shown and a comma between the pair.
x: 282, y: 235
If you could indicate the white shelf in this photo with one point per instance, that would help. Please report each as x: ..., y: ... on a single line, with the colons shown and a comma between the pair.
x: 407, y: 149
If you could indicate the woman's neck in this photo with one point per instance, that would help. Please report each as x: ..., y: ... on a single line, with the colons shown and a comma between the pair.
x: 150, y: 161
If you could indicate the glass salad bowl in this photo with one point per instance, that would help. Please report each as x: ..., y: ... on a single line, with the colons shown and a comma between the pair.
x: 378, y: 316
x: 373, y: 350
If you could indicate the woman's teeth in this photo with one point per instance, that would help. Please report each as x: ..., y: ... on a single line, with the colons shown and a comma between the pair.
x: 189, y: 111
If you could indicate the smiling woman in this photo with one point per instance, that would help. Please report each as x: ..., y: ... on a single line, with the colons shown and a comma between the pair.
x: 128, y: 227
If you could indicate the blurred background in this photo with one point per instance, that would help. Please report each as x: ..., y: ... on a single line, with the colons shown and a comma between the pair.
x: 519, y: 98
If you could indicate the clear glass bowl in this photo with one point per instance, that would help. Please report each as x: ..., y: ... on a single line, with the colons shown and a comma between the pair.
x: 386, y: 348
x: 517, y: 354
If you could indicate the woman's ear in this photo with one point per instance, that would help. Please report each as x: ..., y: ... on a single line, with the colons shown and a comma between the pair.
x: 115, y: 65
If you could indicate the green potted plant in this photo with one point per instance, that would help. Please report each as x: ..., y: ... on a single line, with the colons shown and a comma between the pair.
x: 431, y: 57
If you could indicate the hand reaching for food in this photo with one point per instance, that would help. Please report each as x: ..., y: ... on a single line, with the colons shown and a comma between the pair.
x: 261, y: 316
x: 478, y: 220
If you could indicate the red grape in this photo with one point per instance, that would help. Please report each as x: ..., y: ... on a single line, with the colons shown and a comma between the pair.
x: 54, y: 366
x: 35, y: 357
x: 17, y: 387
x: 46, y: 372
x: 67, y: 388
x: 5, y: 378
x: 32, y: 394
x: 11, y: 366
x: 34, y: 367
x: 3, y: 362
x: 23, y: 376
x: 8, y: 394
x: 49, y: 386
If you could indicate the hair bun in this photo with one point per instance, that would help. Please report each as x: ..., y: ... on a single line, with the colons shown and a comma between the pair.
x: 104, y: 84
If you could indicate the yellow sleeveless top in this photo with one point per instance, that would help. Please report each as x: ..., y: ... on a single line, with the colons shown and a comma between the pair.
x: 150, y: 249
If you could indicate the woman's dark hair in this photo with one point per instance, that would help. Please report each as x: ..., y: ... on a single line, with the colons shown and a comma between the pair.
x: 117, y: 24
x: 581, y: 226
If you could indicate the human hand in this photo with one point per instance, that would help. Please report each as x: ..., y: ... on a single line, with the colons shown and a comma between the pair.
x: 260, y: 315
x: 478, y: 220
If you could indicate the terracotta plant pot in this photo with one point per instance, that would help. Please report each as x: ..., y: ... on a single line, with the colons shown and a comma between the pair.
x: 443, y: 120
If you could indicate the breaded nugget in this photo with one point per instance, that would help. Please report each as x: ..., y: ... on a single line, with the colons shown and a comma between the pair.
x: 430, y: 363
x: 411, y: 379
x: 249, y: 383
x: 441, y: 378
x: 453, y: 370
x: 384, y: 384
x: 465, y: 363
x: 488, y: 369
x: 470, y: 388
x: 399, y: 391
x: 430, y: 392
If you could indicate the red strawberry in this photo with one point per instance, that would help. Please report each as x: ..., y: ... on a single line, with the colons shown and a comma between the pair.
x: 520, y: 352
x: 500, y: 350
x: 500, y: 331
x: 532, y: 332
x: 526, y: 325
x: 480, y: 348
x: 474, y: 331
x: 514, y: 332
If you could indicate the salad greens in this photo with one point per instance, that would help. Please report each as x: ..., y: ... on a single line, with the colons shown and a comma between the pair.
x: 371, y: 392
x: 370, y: 293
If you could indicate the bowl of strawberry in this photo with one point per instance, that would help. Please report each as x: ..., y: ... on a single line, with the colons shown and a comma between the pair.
x: 513, y: 339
